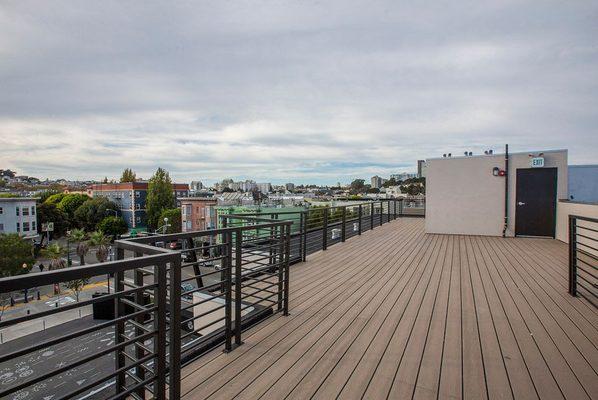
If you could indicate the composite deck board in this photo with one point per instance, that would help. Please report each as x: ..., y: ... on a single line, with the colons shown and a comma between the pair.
x: 397, y: 313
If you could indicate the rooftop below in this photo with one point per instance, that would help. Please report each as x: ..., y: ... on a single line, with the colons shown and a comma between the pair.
x: 401, y: 314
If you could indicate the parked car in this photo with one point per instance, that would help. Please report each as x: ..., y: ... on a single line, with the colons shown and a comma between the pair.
x: 185, y: 287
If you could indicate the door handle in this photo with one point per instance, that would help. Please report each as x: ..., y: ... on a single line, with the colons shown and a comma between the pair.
x: 520, y: 203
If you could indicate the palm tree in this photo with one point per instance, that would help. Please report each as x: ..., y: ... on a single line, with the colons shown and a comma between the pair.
x: 54, y: 252
x: 79, y: 236
x: 102, y: 241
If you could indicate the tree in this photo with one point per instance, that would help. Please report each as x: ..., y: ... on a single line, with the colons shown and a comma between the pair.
x: 76, y: 286
x: 373, y: 190
x: 391, y: 182
x: 93, y: 211
x: 55, y: 198
x: 46, y: 194
x: 80, y: 237
x: 128, y: 176
x: 113, y: 226
x: 174, y: 220
x: 70, y: 203
x: 14, y: 252
x: 48, y: 212
x: 160, y: 197
x: 357, y: 186
x: 102, y: 242
x: 55, y: 252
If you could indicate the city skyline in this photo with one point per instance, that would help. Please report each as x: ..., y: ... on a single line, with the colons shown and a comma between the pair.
x: 314, y: 93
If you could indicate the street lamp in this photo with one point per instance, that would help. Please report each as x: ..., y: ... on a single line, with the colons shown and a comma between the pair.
x: 69, y: 262
x: 163, y: 227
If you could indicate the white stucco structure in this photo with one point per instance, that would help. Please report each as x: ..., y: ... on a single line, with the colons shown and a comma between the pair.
x: 463, y: 196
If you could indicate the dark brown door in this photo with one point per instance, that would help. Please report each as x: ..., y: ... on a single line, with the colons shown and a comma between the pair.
x: 535, y: 203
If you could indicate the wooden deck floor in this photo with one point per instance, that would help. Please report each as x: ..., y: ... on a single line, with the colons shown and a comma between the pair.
x: 400, y: 314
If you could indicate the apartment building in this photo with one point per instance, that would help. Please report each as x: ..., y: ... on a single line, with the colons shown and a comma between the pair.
x: 131, y: 198
x: 197, y: 213
x: 377, y: 182
x: 18, y: 215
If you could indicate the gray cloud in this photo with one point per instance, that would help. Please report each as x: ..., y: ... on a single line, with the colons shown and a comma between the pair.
x: 305, y: 91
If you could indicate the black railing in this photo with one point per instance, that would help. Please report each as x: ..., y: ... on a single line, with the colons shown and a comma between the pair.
x: 320, y: 227
x: 225, y: 280
x: 170, y: 298
x: 137, y: 321
x: 583, y: 258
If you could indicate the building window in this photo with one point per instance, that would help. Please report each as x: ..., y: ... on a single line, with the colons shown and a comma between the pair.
x: 1, y: 211
x: 25, y: 226
x: 33, y: 225
x: 1, y: 227
x: 17, y: 209
x: 25, y: 210
x: 18, y: 227
x: 138, y: 219
x: 32, y: 210
x: 137, y: 194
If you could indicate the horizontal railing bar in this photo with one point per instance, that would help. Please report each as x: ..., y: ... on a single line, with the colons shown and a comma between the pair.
x: 69, y: 307
x: 69, y: 336
x: 27, y: 281
x: 106, y: 377
x: 73, y: 365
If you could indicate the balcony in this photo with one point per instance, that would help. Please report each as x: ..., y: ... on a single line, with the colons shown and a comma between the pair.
x: 386, y: 311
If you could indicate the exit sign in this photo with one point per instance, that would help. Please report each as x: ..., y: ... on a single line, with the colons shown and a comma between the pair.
x: 537, y: 162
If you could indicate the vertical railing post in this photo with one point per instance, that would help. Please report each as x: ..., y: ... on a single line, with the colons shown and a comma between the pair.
x: 286, y: 271
x: 381, y: 212
x: 387, y: 210
x: 119, y: 326
x: 372, y: 211
x: 227, y: 267
x: 222, y: 270
x: 175, y: 328
x: 280, y: 264
x: 304, y: 235
x: 360, y: 217
x: 160, y: 340
x: 325, y: 230
x: 343, y: 234
x: 301, y: 236
x: 572, y: 256
x: 394, y: 208
x: 238, y: 282
x: 139, y: 299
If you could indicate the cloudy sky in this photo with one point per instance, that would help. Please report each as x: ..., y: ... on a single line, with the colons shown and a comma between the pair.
x: 303, y: 91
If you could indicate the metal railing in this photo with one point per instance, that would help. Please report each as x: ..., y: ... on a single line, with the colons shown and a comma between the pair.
x: 134, y: 336
x: 170, y: 299
x: 224, y: 281
x: 320, y: 227
x: 583, y: 258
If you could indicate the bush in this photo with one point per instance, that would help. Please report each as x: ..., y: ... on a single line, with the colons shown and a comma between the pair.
x: 113, y: 226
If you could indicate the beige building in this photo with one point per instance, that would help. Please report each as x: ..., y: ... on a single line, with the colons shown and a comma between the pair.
x: 466, y: 195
